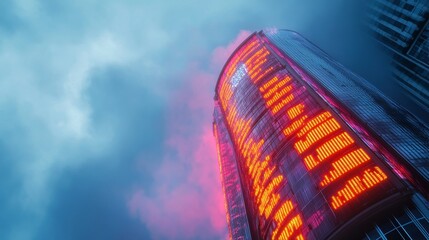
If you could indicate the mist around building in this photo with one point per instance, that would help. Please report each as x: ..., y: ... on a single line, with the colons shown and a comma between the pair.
x: 106, y: 107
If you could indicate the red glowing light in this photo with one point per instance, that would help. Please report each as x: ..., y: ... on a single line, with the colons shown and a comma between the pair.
x: 260, y: 54
x: 292, y: 226
x: 279, y: 94
x: 334, y: 145
x: 257, y: 76
x: 274, y: 89
x: 262, y: 198
x: 357, y: 185
x: 275, y: 79
x: 300, y: 237
x: 268, y: 84
x: 317, y: 134
x: 314, y: 122
x: 295, y: 111
x: 295, y: 126
x: 281, y: 215
x: 284, y: 211
x: 327, y: 149
x: 345, y: 164
x: 272, y: 203
x: 281, y: 104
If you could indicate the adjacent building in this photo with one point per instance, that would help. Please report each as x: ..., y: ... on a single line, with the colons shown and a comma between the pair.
x: 402, y: 26
x: 309, y: 150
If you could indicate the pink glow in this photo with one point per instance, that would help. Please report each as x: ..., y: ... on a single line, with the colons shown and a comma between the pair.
x: 221, y: 54
x: 186, y: 200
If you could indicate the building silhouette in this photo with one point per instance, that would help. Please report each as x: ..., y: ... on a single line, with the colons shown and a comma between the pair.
x: 402, y: 26
x: 309, y: 150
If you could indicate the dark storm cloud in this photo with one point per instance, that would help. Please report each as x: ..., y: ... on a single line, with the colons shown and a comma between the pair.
x: 105, y: 129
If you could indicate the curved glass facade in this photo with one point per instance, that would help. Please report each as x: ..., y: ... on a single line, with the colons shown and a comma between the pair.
x: 305, y: 171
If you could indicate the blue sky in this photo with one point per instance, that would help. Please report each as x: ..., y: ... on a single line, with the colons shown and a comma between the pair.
x: 106, y: 106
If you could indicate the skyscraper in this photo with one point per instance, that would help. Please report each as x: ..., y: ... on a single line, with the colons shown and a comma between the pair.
x: 309, y: 150
x: 402, y: 26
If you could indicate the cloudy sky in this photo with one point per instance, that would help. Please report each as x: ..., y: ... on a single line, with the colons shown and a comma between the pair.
x: 106, y: 107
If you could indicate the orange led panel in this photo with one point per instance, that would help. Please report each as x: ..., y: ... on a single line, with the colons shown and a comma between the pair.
x: 274, y: 89
x: 266, y: 72
x: 299, y: 237
x: 260, y: 167
x: 269, y: 189
x: 284, y: 211
x: 279, y: 94
x: 357, y: 185
x: 317, y: 134
x: 345, y: 164
x: 334, y: 145
x: 256, y: 54
x: 268, y: 84
x: 292, y: 226
x: 280, y: 105
x: 281, y: 215
x: 267, y: 174
x: 271, y: 204
x: 294, y: 126
x: 310, y: 162
x: 327, y: 149
x: 295, y: 111
x: 314, y: 122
